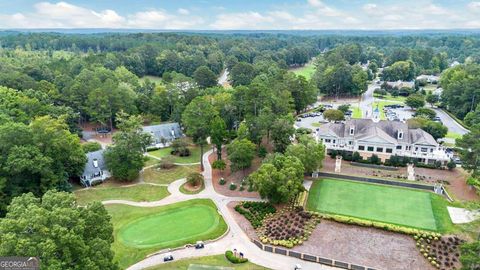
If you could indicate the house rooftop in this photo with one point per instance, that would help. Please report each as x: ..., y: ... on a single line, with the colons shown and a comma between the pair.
x: 95, y: 163
x: 169, y: 131
x: 384, y: 130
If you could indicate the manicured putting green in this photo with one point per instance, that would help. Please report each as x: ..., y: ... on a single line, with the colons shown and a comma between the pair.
x: 173, y: 225
x: 393, y: 205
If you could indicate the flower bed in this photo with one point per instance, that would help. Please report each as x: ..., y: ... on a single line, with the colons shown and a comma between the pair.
x: 442, y: 252
x: 289, y: 227
x: 255, y: 212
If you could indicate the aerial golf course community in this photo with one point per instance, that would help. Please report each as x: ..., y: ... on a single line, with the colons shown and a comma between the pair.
x: 132, y: 149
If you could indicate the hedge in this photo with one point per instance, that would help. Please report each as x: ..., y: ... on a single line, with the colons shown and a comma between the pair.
x: 233, y: 259
x: 376, y: 224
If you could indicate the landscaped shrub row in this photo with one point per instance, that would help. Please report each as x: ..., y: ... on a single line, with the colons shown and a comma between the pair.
x: 255, y: 212
x: 234, y: 259
x: 376, y: 224
x: 441, y: 252
x: 289, y: 227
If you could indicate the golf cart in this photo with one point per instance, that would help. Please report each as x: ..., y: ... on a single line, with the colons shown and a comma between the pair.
x: 168, y: 257
x: 199, y: 245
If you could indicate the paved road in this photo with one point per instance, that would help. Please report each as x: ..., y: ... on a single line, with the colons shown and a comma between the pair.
x: 235, y: 237
x: 367, y: 100
x: 450, y: 123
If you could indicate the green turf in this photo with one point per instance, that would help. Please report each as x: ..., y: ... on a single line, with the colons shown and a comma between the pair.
x: 453, y: 135
x: 166, y: 176
x: 357, y: 112
x: 401, y: 206
x: 215, y: 261
x: 306, y: 71
x: 138, y: 193
x: 165, y: 152
x: 139, y: 231
x: 390, y: 97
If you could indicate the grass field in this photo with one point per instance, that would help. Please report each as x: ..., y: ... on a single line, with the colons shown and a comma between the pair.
x: 306, y: 71
x: 390, y: 97
x: 139, y: 231
x: 165, y: 152
x: 453, y: 135
x: 357, y: 112
x: 401, y: 206
x: 216, y: 260
x: 137, y: 193
x: 167, y: 176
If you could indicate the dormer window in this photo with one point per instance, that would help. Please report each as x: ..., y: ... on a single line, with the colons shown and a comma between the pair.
x: 400, y: 134
x: 352, y: 130
x: 95, y: 163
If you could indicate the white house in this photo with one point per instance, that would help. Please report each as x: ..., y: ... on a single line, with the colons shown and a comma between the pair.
x: 163, y: 134
x: 382, y: 138
x: 95, y: 169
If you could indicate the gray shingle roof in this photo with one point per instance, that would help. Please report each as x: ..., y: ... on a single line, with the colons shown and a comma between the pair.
x: 387, y: 130
x: 169, y: 131
x: 90, y: 166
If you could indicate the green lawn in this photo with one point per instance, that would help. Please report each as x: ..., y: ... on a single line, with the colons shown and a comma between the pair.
x: 139, y: 231
x: 216, y: 260
x: 165, y: 152
x: 306, y: 71
x: 400, y: 206
x: 138, y: 193
x: 390, y: 97
x: 150, y: 161
x: 167, y: 176
x: 453, y: 135
x: 357, y: 112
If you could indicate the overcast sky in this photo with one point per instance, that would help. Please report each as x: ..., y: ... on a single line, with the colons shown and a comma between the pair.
x: 241, y: 14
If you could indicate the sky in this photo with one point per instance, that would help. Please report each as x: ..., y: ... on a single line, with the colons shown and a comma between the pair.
x: 242, y: 14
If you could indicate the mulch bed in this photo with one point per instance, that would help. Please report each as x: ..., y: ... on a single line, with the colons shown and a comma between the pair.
x: 235, y: 177
x: 454, y: 181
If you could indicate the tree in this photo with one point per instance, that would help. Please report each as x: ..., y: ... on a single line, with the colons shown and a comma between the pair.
x: 195, y: 179
x: 451, y: 165
x: 469, y: 147
x: 303, y: 92
x: 218, y: 134
x: 219, y: 164
x: 309, y: 152
x: 344, y: 108
x: 473, y: 118
x: 400, y: 70
x: 282, y: 131
x: 279, y: 179
x: 240, y: 153
x: 333, y: 115
x: 415, y: 101
x: 58, y: 231
x: 204, y: 77
x: 197, y: 118
x: 242, y: 74
x: 37, y: 158
x: 437, y: 130
x: 124, y: 158
x: 469, y: 257
x: 432, y: 99
x: 425, y: 113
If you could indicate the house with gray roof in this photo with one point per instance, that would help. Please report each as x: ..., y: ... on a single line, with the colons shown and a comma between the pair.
x: 401, y: 84
x: 382, y: 138
x: 163, y: 134
x: 95, y: 169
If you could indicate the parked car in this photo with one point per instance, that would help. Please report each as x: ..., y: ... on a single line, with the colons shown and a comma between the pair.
x: 299, y: 119
x: 168, y: 257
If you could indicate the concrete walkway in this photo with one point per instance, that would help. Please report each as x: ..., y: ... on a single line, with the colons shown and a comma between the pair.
x: 462, y: 215
x: 235, y: 238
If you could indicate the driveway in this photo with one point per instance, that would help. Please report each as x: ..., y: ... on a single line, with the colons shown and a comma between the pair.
x: 367, y: 100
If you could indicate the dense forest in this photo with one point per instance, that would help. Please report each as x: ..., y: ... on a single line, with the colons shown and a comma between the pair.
x: 51, y: 83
